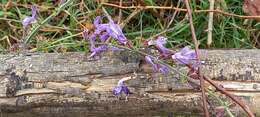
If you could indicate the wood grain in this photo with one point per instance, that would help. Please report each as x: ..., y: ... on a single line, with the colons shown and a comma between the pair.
x: 70, y: 84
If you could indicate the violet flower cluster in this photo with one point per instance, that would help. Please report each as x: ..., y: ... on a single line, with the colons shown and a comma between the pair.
x: 30, y: 19
x: 184, y: 56
x: 104, y: 31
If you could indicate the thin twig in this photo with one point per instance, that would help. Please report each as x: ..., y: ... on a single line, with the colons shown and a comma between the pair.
x: 135, y: 12
x: 210, y: 23
x: 107, y: 14
x: 195, y: 41
x: 223, y: 91
x: 120, y: 12
x: 180, y: 9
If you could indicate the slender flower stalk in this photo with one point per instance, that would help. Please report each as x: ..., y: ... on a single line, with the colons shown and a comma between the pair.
x: 195, y: 41
x: 37, y: 27
x: 157, y: 67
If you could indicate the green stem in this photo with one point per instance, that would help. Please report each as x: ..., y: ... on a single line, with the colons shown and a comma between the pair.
x: 37, y: 28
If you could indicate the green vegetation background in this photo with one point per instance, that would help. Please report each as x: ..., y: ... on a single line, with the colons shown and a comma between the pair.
x: 63, y: 32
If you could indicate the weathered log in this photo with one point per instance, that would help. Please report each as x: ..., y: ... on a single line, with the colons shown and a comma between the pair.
x: 70, y: 84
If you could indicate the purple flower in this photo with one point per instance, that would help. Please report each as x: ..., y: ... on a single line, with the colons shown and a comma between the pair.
x: 104, y: 36
x: 115, y: 31
x: 184, y: 56
x: 120, y: 88
x: 159, y: 43
x: 157, y: 67
x: 110, y: 29
x: 28, y: 20
x: 164, y: 69
x: 104, y: 31
x: 84, y: 34
x: 97, y: 21
x: 149, y: 60
x: 92, y: 39
x: 98, y: 50
x: 101, y: 28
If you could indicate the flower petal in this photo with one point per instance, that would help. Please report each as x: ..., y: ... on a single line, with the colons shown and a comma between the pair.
x: 121, y: 87
x: 117, y: 90
x: 159, y: 43
x: 28, y: 20
x: 184, y: 56
x: 98, y: 50
x: 92, y: 39
x: 100, y: 28
x: 164, y: 69
x: 115, y: 31
x: 125, y: 89
x: 149, y: 60
x: 163, y: 50
x: 34, y: 11
x: 104, y: 36
x: 97, y: 21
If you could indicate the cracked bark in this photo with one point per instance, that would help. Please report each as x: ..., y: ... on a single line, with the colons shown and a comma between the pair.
x: 70, y: 84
